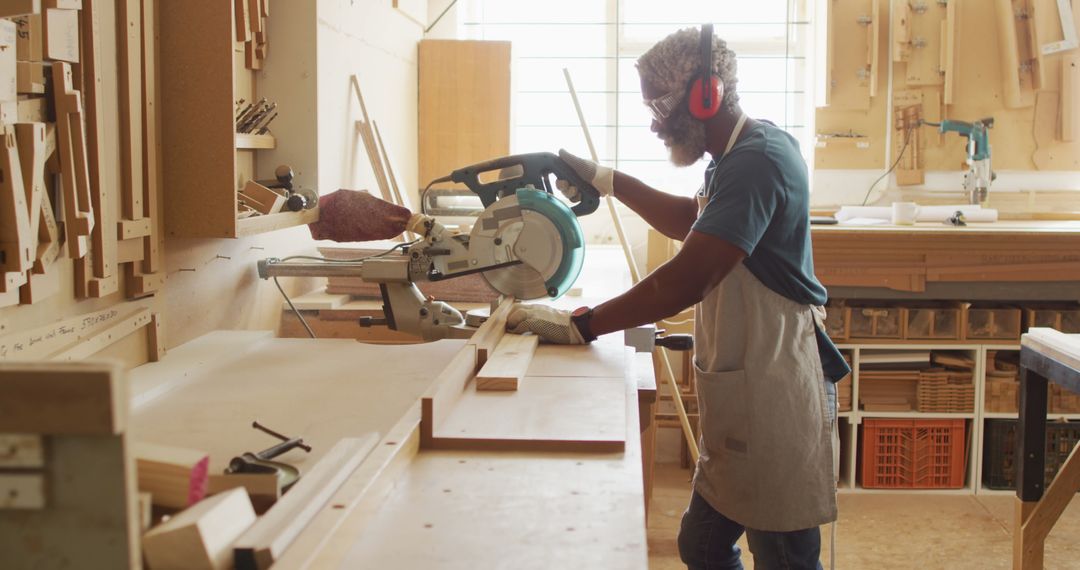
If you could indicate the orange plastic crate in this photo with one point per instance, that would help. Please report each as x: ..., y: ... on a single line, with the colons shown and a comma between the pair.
x: 914, y: 454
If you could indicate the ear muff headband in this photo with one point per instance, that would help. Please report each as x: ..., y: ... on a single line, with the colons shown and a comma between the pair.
x: 707, y: 91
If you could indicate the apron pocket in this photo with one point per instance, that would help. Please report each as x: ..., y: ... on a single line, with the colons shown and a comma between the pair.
x: 722, y: 401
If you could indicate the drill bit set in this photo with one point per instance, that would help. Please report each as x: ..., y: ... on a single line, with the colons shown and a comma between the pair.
x: 255, y: 118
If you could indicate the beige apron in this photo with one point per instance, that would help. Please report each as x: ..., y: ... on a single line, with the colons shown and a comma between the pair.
x: 767, y: 442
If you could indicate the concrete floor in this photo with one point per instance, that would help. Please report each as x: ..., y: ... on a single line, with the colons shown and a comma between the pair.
x: 891, y: 531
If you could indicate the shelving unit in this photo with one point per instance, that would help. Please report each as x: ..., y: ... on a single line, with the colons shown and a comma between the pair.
x: 851, y: 421
x: 205, y: 160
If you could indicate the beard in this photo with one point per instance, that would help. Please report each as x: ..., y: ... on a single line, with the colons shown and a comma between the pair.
x: 685, y: 138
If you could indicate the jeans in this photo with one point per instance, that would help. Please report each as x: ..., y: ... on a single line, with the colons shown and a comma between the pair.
x: 707, y: 542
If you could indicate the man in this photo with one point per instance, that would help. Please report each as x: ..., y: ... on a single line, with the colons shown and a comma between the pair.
x: 764, y: 367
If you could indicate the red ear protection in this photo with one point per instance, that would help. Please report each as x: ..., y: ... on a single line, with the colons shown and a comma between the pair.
x: 706, y: 91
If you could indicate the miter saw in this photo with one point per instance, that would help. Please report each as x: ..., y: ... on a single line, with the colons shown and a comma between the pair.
x: 526, y: 243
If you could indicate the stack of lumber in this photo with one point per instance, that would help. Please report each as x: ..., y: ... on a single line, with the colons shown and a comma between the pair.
x: 469, y: 288
x: 888, y: 390
x: 1063, y: 401
x: 945, y: 391
x: 1002, y: 383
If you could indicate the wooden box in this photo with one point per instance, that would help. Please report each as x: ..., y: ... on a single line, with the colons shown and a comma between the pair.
x: 992, y: 322
x: 933, y: 322
x: 876, y: 322
x: 1002, y: 383
x: 1065, y: 318
x: 204, y: 163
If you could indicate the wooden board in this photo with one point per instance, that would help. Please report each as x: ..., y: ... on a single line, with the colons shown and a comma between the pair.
x: 219, y: 383
x: 175, y: 477
x: 464, y: 96
x: 200, y: 537
x: 89, y: 509
x: 61, y: 35
x: 848, y: 81
x: 267, y: 539
x: 62, y: 398
x: 433, y: 502
x: 591, y: 417
x: 507, y: 365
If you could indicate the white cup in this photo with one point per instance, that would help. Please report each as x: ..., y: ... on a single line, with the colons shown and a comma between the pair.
x: 904, y: 213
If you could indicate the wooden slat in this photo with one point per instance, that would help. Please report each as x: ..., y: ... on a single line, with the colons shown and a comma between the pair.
x: 491, y: 332
x: 78, y: 211
x: 508, y: 363
x: 84, y: 398
x: 16, y: 241
x: 268, y: 539
x: 103, y: 237
x: 445, y: 391
x: 105, y: 337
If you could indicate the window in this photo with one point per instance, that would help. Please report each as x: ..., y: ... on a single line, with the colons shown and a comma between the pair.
x: 599, y: 41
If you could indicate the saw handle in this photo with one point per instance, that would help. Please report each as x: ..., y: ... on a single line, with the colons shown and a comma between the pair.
x: 534, y: 168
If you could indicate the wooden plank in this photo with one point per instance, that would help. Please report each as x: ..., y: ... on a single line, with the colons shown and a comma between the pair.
x: 440, y: 398
x: 31, y: 140
x: 21, y: 450
x: 1069, y: 122
x: 9, y: 67
x: 201, y: 537
x: 80, y: 398
x: 401, y: 199
x: 78, y: 211
x: 22, y: 491
x: 129, y: 44
x: 103, y: 338
x: 359, y: 498
x: 1026, y: 555
x: 151, y: 263
x: 16, y: 241
x: 464, y: 94
x: 61, y: 29
x: 1064, y: 487
x: 592, y: 417
x: 176, y: 477
x: 104, y: 280
x: 29, y: 44
x: 508, y: 363
x: 268, y: 538
x: 491, y: 332
x: 41, y: 342
x: 240, y: 19
x: 19, y: 7
x: 128, y: 229
x: 155, y: 338
x: 1016, y: 61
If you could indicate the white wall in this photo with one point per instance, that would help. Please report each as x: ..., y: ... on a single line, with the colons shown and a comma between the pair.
x: 379, y: 44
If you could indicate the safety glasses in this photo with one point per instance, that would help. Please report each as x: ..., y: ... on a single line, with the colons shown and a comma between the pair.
x: 662, y: 107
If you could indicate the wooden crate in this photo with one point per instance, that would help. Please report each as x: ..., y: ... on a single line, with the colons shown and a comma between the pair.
x: 1063, y: 401
x: 991, y: 322
x: 944, y: 391
x: 873, y: 322
x: 933, y: 322
x: 1065, y: 318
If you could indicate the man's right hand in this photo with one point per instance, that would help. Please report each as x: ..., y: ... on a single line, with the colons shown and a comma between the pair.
x: 602, y: 177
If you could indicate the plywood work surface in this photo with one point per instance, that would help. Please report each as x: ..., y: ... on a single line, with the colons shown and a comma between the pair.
x: 475, y: 509
x: 205, y: 394
x: 577, y: 411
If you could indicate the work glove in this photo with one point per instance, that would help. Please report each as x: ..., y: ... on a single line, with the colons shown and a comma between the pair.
x: 602, y: 177
x: 550, y: 324
x: 354, y: 215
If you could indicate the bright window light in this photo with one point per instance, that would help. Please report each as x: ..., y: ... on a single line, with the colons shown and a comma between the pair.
x: 599, y: 41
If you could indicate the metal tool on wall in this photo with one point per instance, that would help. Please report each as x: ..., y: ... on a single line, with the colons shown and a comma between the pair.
x: 256, y: 117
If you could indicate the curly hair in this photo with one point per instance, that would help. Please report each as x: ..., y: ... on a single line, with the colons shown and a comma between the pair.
x: 674, y: 60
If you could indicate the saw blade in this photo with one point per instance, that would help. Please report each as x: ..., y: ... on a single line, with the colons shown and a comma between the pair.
x: 518, y: 281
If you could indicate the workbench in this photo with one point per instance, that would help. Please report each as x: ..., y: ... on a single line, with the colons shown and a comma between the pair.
x: 1046, y: 356
x: 407, y: 506
x: 1004, y: 260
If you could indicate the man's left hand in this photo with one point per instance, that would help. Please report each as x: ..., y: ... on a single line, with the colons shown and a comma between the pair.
x: 551, y: 325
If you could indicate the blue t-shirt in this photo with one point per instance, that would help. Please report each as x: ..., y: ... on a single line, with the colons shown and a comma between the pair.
x: 759, y: 200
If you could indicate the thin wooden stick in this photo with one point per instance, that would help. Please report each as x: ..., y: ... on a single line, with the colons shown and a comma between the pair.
x: 688, y: 432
